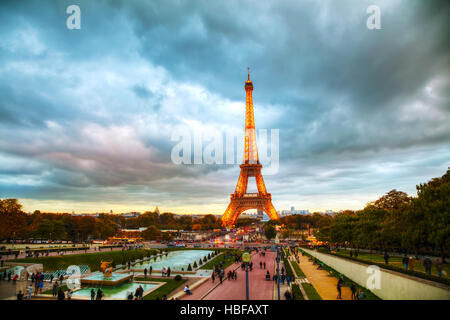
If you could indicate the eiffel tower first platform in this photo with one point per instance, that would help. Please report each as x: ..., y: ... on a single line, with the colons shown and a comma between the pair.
x: 240, y: 200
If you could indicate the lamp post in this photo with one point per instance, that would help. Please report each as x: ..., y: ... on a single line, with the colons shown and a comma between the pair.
x: 278, y: 271
x: 246, y: 257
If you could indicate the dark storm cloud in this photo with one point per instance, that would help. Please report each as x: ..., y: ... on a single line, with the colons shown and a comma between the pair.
x: 92, y: 110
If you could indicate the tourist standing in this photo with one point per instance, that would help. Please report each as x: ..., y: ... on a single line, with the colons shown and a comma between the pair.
x: 288, y: 280
x: 260, y: 264
x: 405, y: 262
x: 439, y: 267
x: 339, y: 286
x: 353, y: 289
x: 93, y: 294
x: 99, y: 294
x: 168, y: 271
x: 20, y: 295
x: 264, y: 264
x: 69, y: 294
x: 55, y: 288
x: 427, y: 264
x: 386, y: 257
x: 29, y: 291
x: 145, y: 272
x: 213, y: 277
x: 61, y: 278
x: 61, y: 294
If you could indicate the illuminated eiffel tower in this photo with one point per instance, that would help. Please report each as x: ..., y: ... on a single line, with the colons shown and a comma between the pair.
x: 240, y: 200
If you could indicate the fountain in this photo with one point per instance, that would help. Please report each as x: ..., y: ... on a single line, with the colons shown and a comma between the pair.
x: 106, y: 277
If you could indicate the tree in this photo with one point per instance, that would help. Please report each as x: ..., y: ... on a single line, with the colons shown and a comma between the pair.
x: 269, y: 231
x: 433, y: 200
x: 13, y: 221
x: 392, y: 200
x: 151, y: 233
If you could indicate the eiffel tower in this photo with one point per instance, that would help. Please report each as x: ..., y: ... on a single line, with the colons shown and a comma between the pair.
x: 240, y: 200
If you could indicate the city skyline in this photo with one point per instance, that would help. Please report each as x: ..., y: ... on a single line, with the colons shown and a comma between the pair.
x: 359, y: 112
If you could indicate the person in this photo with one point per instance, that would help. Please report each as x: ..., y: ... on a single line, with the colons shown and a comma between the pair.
x: 187, y: 290
x: 41, y: 285
x: 288, y: 280
x: 213, y: 277
x: 339, y: 285
x: 99, y: 294
x: 353, y: 289
x: 69, y: 294
x: 150, y: 270
x: 274, y: 278
x: 283, y: 277
x: 268, y: 276
x: 55, y: 288
x: 163, y: 271
x: 61, y: 294
x: 287, y: 295
x: 427, y: 264
x: 356, y: 254
x: 405, y: 261
x: 164, y: 297
x: 439, y: 267
x: 234, y: 275
x: 145, y: 272
x: 351, y: 254
x: 130, y: 296
x: 92, y: 294
x: 361, y: 294
x: 29, y: 291
x: 386, y: 257
x: 51, y: 278
x: 168, y: 271
x: 141, y: 293
x: 260, y: 264
x: 220, y: 277
x: 20, y: 295
x: 61, y: 278
x: 264, y: 264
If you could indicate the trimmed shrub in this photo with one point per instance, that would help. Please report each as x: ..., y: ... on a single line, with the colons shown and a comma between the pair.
x: 195, y: 265
x: 189, y: 268
x: 204, y: 259
x: 178, y: 277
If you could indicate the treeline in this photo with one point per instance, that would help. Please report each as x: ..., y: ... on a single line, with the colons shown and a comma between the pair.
x: 395, y: 221
x: 16, y: 224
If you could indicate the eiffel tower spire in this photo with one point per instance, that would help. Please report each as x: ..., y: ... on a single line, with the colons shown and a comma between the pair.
x: 240, y: 200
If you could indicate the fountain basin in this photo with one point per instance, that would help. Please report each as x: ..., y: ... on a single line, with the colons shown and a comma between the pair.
x: 97, y: 278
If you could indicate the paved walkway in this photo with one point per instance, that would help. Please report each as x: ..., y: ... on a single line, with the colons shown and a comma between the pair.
x: 259, y: 288
x: 324, y: 284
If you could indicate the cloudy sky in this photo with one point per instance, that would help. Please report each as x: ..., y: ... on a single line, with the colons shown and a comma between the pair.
x: 87, y: 116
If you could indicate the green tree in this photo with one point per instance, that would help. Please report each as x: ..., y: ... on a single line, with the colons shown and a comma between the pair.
x: 269, y: 231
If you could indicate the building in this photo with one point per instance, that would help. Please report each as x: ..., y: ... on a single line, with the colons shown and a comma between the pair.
x: 293, y: 211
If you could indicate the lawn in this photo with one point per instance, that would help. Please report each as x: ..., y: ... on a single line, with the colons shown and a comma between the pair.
x: 53, y: 263
x: 297, y: 293
x: 297, y: 269
x: 222, y: 257
x: 394, y: 261
x: 166, y: 289
x: 311, y: 291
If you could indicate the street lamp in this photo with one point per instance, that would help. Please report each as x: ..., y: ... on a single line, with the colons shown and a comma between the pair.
x: 278, y: 271
x: 246, y: 257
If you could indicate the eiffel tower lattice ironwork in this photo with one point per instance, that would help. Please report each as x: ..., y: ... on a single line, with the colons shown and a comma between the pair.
x: 240, y: 200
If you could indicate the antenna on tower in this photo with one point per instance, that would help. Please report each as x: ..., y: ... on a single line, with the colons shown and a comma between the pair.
x: 248, y: 70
